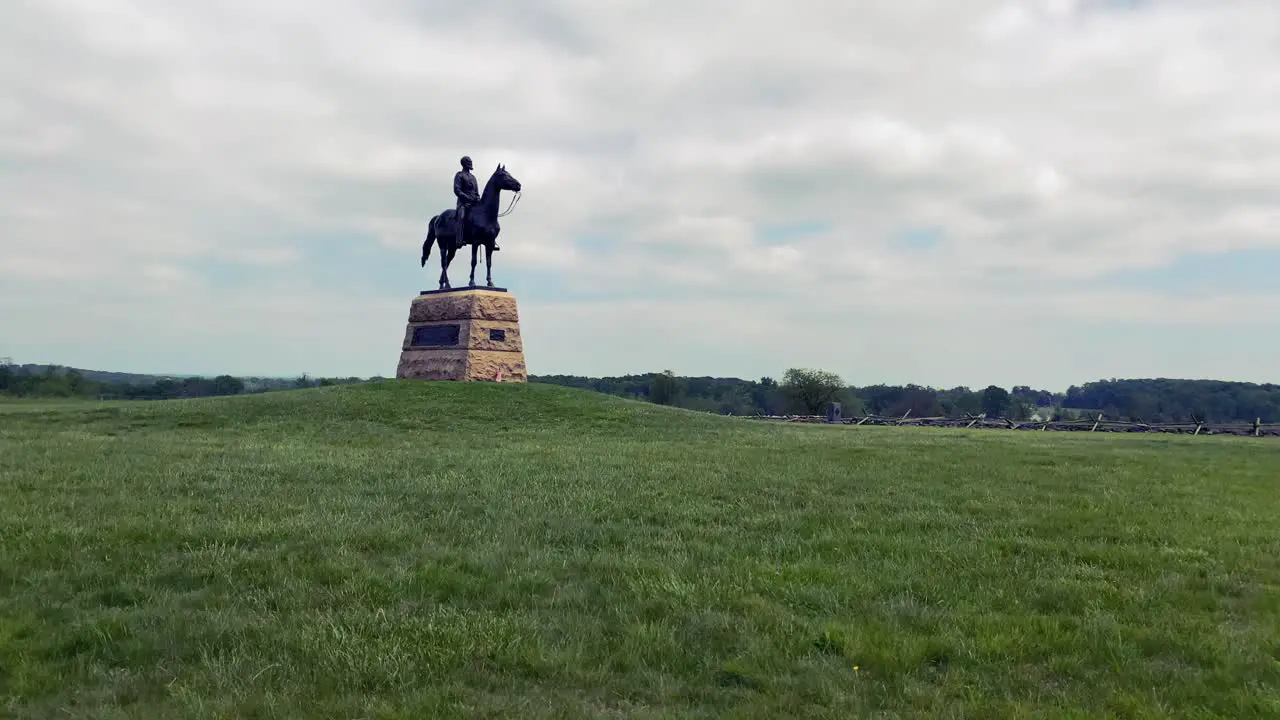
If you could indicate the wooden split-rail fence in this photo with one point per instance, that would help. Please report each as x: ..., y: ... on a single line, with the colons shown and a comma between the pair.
x: 1257, y: 428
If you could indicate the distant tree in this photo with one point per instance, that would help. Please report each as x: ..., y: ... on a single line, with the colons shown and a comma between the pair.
x: 918, y: 401
x: 1032, y: 397
x: 77, y: 384
x: 1019, y: 411
x: 197, y: 387
x: 665, y: 388
x: 959, y: 401
x: 812, y: 390
x: 995, y: 400
x: 768, y: 397
x: 879, y: 398
x: 735, y: 400
x: 227, y: 385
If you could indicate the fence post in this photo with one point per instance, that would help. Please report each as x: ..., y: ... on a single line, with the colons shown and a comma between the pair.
x: 1257, y: 426
x: 1096, y: 423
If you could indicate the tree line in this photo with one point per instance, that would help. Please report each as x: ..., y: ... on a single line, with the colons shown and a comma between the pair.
x: 799, y: 391
x: 53, y: 381
x: 810, y: 392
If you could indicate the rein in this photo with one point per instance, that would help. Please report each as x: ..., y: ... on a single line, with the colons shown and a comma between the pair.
x: 512, y: 206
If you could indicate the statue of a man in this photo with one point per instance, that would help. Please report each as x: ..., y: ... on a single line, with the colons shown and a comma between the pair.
x: 466, y: 190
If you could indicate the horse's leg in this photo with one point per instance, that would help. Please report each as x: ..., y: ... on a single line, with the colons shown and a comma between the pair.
x: 475, y: 255
x: 488, y: 264
x: 445, y: 256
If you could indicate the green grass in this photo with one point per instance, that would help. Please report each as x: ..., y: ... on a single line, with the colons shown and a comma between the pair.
x: 425, y: 550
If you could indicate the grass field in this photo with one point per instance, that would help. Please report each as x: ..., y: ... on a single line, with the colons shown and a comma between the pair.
x: 444, y: 550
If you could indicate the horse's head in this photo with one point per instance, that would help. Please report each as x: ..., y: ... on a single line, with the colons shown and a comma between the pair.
x: 504, y: 180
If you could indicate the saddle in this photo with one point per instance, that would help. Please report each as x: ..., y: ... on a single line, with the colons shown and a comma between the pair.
x: 448, y: 225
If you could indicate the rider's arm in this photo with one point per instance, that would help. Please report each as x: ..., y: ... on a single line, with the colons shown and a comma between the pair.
x: 461, y: 193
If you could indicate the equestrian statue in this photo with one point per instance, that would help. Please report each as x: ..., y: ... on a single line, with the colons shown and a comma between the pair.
x: 473, y: 221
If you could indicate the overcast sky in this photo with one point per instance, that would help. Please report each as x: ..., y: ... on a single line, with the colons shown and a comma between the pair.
x: 943, y: 192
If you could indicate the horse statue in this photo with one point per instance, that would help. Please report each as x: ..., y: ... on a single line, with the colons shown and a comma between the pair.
x: 480, y: 227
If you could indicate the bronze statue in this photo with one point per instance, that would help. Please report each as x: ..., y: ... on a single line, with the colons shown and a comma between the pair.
x: 474, y: 222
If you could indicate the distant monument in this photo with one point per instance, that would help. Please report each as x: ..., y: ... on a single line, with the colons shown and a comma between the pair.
x: 470, y: 333
x: 835, y: 414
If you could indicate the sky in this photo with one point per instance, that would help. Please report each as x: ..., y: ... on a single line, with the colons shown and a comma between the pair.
x: 1038, y: 192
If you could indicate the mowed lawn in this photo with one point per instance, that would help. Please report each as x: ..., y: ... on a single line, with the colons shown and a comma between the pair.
x: 426, y: 550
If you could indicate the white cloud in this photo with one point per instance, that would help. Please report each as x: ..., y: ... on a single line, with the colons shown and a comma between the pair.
x: 151, y: 150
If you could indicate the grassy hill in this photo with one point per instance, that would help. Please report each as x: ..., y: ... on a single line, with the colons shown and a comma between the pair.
x: 417, y: 550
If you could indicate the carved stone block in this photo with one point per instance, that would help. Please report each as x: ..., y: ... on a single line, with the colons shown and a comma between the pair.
x: 465, y: 334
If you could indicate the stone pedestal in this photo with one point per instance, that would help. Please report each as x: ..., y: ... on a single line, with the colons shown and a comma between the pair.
x: 463, y: 334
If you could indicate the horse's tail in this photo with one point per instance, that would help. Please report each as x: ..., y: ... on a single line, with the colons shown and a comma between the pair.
x: 431, y: 238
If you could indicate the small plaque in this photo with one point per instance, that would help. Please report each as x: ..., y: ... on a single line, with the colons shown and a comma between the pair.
x: 435, y: 336
x: 498, y: 335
